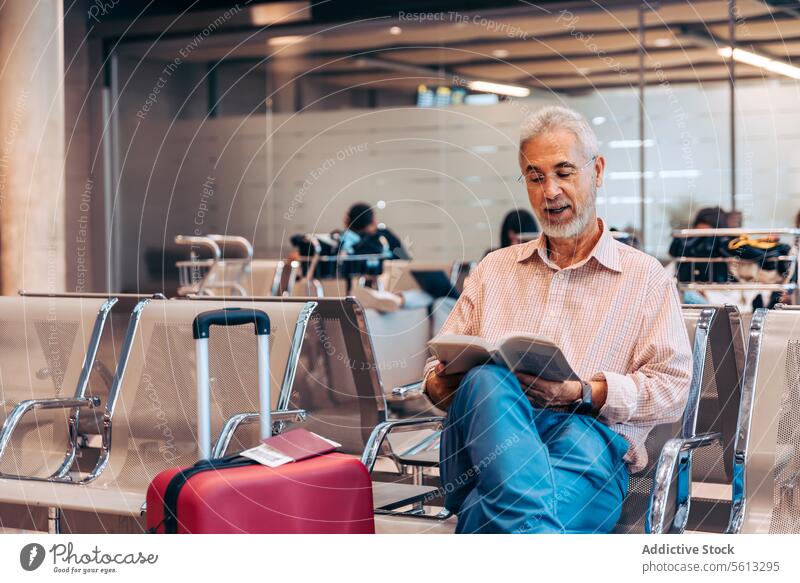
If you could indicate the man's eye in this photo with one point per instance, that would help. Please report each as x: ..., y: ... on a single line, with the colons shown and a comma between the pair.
x: 564, y: 174
x: 536, y: 178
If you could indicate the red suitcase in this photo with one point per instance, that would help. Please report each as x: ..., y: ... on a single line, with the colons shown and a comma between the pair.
x: 326, y: 494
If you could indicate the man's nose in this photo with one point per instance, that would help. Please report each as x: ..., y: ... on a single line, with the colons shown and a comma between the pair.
x: 552, y: 187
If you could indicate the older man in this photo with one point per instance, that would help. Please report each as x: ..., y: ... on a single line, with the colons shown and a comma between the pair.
x: 521, y: 454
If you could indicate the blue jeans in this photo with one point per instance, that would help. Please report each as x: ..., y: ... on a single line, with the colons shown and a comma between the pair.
x: 507, y: 467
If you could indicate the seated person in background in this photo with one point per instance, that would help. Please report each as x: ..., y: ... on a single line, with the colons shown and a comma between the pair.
x: 706, y: 218
x: 515, y: 222
x: 614, y: 313
x: 363, y: 235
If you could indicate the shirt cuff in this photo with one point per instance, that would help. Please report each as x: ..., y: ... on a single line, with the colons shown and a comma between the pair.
x: 426, y: 372
x: 621, y: 397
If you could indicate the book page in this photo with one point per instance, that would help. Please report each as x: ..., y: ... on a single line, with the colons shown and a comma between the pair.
x: 460, y: 353
x: 536, y: 355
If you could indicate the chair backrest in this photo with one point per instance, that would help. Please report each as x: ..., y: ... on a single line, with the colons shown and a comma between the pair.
x: 720, y: 399
x: 321, y: 288
x: 399, y: 340
x: 337, y: 382
x: 227, y: 277
x: 47, y: 350
x: 264, y: 278
x: 109, y: 350
x: 637, y: 502
x: 154, y: 415
x: 766, y: 477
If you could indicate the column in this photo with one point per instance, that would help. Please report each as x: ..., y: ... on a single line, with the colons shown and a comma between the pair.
x: 31, y: 146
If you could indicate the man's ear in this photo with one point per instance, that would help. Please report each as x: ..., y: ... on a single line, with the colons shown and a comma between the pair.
x: 599, y: 167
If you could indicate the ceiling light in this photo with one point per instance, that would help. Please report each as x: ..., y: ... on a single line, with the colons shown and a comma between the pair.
x: 599, y: 120
x: 756, y: 60
x: 282, y: 41
x: 616, y: 144
x: 499, y: 88
x: 663, y: 42
x: 500, y: 53
x: 395, y: 30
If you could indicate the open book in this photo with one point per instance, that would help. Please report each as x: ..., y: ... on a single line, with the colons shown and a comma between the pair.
x: 526, y: 353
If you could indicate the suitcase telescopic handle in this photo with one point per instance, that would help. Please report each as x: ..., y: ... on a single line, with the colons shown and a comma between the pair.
x: 200, y: 330
x: 230, y: 317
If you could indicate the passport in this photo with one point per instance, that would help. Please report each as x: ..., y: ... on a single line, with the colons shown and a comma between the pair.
x: 292, y: 446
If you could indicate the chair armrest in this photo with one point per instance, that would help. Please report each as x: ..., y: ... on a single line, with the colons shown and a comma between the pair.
x: 676, y: 452
x: 235, y: 421
x: 407, y: 391
x: 382, y: 431
x: 23, y: 407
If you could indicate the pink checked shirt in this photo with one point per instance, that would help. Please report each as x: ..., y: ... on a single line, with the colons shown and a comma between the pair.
x: 615, y: 315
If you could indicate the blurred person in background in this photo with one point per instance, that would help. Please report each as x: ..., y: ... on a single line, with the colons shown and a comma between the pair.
x: 700, y: 247
x: 515, y: 223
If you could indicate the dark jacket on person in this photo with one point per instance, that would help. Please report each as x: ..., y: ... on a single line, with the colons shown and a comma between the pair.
x: 699, y: 247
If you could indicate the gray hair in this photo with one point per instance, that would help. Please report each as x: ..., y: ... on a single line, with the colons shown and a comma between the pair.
x: 557, y: 117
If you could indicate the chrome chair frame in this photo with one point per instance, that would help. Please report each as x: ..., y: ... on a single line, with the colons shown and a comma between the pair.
x: 282, y: 414
x: 740, y: 504
x: 75, y: 403
x: 677, y: 452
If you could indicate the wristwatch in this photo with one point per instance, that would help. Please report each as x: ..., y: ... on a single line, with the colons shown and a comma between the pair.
x: 584, y: 405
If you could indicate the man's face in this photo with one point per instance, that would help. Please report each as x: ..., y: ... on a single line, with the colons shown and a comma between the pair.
x: 561, y: 182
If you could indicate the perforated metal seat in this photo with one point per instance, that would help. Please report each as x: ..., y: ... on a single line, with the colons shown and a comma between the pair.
x: 720, y: 399
x: 152, y: 406
x: 766, y: 460
x: 47, y: 350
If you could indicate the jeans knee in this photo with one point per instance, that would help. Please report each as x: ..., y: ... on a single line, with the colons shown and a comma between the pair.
x: 486, y: 382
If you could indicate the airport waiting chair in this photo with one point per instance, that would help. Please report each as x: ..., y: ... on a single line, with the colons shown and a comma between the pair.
x: 766, y: 458
x: 150, y: 417
x: 636, y: 508
x: 47, y: 350
x: 338, y: 387
x: 720, y: 401
x: 108, y: 354
x: 692, y: 464
x: 265, y: 277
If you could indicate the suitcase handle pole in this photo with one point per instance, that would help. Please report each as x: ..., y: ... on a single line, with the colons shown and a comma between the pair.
x: 203, y: 399
x: 201, y: 328
x: 263, y: 386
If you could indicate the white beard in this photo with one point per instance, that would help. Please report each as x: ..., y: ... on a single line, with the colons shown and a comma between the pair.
x: 573, y: 228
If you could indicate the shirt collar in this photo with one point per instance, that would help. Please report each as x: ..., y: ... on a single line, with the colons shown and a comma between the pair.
x: 604, y: 252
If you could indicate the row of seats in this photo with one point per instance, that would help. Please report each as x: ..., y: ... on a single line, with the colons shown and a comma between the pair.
x: 99, y: 396
x: 120, y: 428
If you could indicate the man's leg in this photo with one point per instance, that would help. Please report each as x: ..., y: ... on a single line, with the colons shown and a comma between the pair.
x: 590, y: 474
x: 495, y: 468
